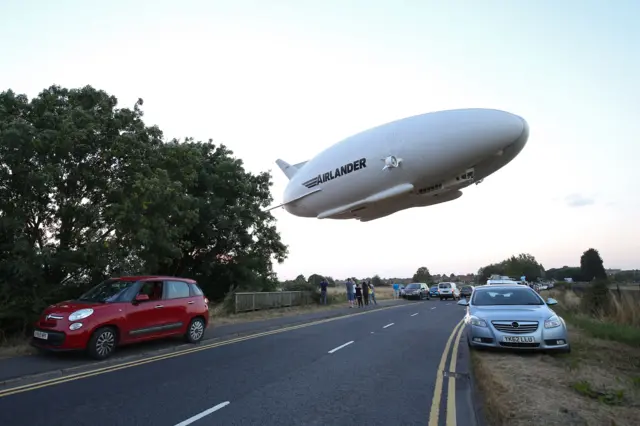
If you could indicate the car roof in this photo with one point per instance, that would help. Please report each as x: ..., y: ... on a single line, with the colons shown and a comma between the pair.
x: 152, y: 277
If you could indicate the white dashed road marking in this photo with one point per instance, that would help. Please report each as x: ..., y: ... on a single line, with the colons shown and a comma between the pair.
x: 433, y: 308
x: 388, y: 325
x: 414, y: 314
x: 340, y: 347
x: 203, y: 414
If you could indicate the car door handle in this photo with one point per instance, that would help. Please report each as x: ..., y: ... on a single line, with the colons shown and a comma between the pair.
x: 159, y: 306
x: 191, y: 302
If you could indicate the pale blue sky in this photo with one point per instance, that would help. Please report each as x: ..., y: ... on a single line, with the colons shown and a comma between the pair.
x: 288, y: 78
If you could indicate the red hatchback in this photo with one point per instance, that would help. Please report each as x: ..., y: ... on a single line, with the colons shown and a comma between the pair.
x: 124, y: 310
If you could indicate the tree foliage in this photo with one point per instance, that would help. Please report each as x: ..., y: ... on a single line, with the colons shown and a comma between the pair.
x: 591, y: 265
x: 422, y: 275
x: 559, y: 274
x: 87, y: 191
x: 515, y: 266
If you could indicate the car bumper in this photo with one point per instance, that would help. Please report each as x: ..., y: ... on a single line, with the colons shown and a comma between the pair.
x: 545, y: 339
x: 61, y: 341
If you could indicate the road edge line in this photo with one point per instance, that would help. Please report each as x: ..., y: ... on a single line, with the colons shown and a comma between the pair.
x: 434, y: 413
x: 451, y: 388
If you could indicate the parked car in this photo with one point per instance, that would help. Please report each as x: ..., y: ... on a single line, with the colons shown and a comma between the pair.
x: 514, y: 317
x: 448, y: 291
x: 121, y: 311
x: 466, y: 291
x: 433, y: 291
x: 418, y: 290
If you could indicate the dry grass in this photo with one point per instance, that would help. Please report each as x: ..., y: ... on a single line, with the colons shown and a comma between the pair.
x: 382, y: 293
x: 338, y: 299
x: 624, y: 306
x: 219, y: 317
x: 15, y: 346
x: 598, y: 384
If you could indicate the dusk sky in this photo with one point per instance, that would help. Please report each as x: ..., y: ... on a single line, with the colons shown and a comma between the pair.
x: 286, y: 79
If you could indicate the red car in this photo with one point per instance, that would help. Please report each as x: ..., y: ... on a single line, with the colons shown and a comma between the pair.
x: 124, y: 310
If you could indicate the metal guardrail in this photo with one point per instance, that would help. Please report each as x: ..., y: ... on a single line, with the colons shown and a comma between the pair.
x: 245, y: 302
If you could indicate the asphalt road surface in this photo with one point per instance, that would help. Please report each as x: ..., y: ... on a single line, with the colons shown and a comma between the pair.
x: 379, y: 368
x: 21, y: 366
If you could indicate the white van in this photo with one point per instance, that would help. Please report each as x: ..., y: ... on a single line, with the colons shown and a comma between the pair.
x: 448, y: 291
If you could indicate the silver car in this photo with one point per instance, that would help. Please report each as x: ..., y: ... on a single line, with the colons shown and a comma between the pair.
x: 513, y: 316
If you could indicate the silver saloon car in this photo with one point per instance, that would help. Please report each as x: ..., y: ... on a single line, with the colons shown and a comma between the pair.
x: 513, y: 316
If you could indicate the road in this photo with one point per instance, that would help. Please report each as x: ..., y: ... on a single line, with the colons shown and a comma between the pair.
x: 21, y: 366
x: 379, y: 368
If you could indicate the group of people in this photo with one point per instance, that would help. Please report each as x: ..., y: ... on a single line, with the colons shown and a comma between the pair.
x: 362, y: 292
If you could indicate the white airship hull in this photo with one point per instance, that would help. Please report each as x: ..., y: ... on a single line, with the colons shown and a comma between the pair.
x: 414, y: 162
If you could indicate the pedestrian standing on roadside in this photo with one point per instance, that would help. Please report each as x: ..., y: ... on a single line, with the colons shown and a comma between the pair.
x: 350, y: 291
x: 365, y: 292
x: 372, y: 292
x: 359, y: 295
x: 396, y: 290
x: 323, y: 291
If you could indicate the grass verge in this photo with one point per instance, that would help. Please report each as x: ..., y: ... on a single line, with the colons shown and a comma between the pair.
x: 598, y: 384
x: 337, y: 299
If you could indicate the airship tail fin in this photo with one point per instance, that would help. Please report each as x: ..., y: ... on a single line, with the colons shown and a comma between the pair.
x: 288, y: 169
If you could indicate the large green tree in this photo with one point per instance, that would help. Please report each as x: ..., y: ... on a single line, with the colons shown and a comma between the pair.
x: 87, y: 190
x: 422, y: 275
x: 515, y: 266
x: 591, y: 265
x: 560, y: 274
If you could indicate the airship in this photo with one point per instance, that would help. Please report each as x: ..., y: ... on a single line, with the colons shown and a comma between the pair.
x: 417, y: 161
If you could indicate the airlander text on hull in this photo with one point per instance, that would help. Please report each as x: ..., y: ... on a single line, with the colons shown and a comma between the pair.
x: 424, y: 160
x: 339, y: 171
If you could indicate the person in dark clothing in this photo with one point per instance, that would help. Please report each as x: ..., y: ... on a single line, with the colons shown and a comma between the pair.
x: 359, y: 295
x: 365, y: 292
x: 323, y: 292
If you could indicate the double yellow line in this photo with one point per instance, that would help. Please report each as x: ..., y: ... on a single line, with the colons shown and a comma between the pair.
x: 434, y: 415
x: 203, y: 347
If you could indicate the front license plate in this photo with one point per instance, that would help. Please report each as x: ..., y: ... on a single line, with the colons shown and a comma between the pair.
x: 40, y: 335
x: 518, y: 339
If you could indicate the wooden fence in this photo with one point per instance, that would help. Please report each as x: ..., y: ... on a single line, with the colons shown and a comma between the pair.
x: 246, y: 302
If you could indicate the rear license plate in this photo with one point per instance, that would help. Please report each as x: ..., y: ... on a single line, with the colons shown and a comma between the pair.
x: 518, y: 339
x: 40, y: 335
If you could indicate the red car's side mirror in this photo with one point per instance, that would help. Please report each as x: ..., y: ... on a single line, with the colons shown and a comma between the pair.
x: 142, y: 297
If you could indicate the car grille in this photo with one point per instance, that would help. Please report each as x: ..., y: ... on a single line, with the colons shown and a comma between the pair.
x: 515, y: 327
x: 519, y: 345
